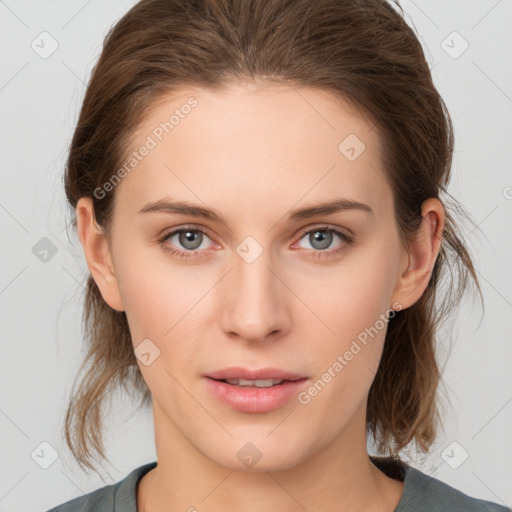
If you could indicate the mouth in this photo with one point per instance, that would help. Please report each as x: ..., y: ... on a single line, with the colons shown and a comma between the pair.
x: 254, y: 391
x: 240, y: 374
x: 260, y: 383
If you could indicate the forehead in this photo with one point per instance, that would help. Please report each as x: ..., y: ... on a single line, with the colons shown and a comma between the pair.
x: 264, y: 108
x: 257, y: 141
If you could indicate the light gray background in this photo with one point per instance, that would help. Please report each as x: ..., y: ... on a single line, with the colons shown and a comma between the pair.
x: 41, y: 302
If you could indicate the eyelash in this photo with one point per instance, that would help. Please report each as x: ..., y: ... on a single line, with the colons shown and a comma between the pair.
x: 348, y: 240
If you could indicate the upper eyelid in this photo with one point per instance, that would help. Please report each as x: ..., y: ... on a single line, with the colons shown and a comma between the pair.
x: 324, y: 227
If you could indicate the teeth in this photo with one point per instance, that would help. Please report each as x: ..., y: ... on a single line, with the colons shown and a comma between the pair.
x: 258, y: 383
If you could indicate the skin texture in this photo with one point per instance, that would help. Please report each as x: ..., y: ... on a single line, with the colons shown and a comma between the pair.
x: 252, y: 153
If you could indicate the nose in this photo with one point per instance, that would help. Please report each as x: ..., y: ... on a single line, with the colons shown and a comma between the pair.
x: 254, y: 302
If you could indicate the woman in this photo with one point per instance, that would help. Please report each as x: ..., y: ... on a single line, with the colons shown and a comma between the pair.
x: 258, y: 188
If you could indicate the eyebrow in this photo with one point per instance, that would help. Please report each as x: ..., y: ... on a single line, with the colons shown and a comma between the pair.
x: 184, y: 208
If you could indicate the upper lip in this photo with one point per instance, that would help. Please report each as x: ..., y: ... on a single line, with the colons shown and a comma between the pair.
x: 248, y: 374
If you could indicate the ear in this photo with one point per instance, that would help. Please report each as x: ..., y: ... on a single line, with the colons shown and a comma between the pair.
x: 97, y: 253
x: 422, y: 254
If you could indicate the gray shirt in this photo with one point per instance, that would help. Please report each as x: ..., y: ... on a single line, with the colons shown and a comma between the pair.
x: 422, y: 493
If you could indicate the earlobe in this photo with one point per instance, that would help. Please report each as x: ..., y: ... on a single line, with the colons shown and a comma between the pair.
x: 97, y: 253
x: 422, y: 255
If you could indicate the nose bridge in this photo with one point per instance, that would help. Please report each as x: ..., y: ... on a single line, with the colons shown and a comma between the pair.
x: 256, y: 305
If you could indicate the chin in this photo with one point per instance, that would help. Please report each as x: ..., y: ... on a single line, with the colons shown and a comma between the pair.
x: 257, y: 457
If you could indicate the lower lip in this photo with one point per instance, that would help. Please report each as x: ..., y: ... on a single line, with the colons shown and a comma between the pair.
x: 253, y: 399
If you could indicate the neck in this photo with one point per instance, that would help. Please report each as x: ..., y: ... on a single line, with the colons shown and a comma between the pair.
x: 337, y: 477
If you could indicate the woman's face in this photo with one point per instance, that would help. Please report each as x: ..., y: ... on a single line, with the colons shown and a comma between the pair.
x: 256, y: 284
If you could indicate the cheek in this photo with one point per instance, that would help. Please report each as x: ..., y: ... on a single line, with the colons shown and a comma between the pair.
x: 353, y: 296
x: 159, y: 308
x: 346, y: 363
x: 160, y: 295
x: 156, y: 293
x: 354, y: 305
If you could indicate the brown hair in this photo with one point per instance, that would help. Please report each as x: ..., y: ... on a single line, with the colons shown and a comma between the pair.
x: 362, y: 51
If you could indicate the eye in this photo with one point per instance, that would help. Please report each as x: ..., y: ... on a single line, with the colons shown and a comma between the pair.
x: 322, y: 237
x: 191, y: 239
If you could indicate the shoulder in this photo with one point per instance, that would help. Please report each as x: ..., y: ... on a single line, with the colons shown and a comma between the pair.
x: 426, y: 493
x: 98, y: 500
x: 117, y: 497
